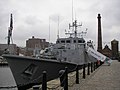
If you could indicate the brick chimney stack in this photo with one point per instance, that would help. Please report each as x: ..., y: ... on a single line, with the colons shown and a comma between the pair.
x: 99, y: 48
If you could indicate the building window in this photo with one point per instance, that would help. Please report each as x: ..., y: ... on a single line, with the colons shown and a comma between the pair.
x: 79, y: 41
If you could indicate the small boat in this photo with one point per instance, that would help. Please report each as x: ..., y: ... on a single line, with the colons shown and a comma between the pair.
x: 66, y: 52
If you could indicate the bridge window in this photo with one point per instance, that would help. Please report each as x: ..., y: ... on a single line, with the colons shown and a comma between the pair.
x: 68, y: 41
x: 74, y: 41
x: 79, y: 41
x: 62, y: 41
x: 58, y: 41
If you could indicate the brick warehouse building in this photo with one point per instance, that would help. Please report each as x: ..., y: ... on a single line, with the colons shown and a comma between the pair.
x: 115, y: 49
x: 12, y: 48
x: 107, y: 51
x: 35, y: 43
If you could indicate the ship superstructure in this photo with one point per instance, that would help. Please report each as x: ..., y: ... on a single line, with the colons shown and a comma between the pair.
x: 69, y: 49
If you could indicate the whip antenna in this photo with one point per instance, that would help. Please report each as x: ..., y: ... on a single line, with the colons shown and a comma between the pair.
x: 58, y: 27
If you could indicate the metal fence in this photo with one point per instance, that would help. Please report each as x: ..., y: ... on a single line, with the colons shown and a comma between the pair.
x: 66, y: 79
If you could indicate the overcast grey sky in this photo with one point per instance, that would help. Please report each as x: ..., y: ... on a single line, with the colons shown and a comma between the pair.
x: 31, y: 18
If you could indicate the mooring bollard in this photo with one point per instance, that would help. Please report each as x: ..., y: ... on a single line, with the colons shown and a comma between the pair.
x: 98, y: 63
x: 94, y: 66
x: 66, y: 79
x: 77, y: 75
x: 88, y: 73
x: 91, y: 67
x: 84, y: 71
x: 44, y: 81
x: 62, y: 77
x: 101, y: 63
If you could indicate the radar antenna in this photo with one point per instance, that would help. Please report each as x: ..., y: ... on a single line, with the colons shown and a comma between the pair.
x: 83, y: 33
x: 74, y: 27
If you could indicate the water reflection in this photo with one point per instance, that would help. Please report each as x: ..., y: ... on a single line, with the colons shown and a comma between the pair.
x: 6, y: 78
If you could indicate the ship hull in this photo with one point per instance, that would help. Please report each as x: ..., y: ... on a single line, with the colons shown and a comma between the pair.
x: 28, y: 71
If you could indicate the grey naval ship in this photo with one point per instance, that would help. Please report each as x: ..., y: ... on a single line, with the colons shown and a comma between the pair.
x: 66, y: 52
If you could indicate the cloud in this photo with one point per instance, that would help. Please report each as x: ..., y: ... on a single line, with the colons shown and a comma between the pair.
x: 31, y: 17
x: 32, y: 20
x: 56, y: 17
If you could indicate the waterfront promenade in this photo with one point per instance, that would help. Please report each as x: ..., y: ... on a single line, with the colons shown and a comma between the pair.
x: 104, y: 78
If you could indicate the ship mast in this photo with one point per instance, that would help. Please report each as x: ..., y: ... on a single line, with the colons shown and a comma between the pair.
x: 74, y: 26
x: 10, y: 28
x: 58, y: 28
